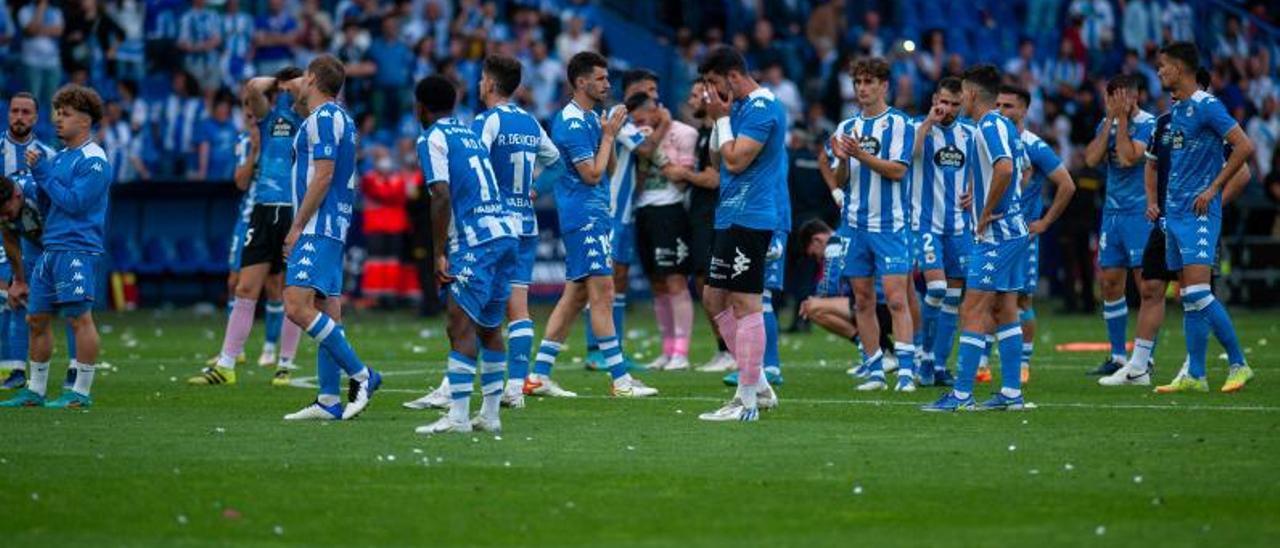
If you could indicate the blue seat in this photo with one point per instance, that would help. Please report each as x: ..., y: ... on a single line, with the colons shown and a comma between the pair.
x: 126, y: 255
x: 158, y: 257
x: 191, y: 256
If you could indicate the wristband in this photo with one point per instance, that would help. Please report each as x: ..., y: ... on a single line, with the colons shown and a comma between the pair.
x: 838, y: 196
x: 724, y: 131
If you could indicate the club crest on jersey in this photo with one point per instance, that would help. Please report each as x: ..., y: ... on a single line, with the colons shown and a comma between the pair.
x: 949, y: 157
x: 870, y: 145
x: 1176, y: 139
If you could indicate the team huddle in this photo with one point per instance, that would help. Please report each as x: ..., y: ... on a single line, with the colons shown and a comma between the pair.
x: 954, y: 199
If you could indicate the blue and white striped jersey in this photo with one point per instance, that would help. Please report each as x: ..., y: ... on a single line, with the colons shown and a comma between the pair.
x: 939, y: 177
x: 242, y: 157
x: 327, y: 134
x: 451, y: 154
x: 196, y: 26
x: 516, y: 143
x: 622, y: 182
x: 13, y: 155
x: 181, y: 115
x: 874, y: 203
x: 831, y: 282
x: 997, y: 140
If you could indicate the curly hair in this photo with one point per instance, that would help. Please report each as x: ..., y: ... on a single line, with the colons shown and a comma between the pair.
x: 80, y: 99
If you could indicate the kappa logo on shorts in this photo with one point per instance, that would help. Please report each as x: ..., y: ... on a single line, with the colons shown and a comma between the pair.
x: 308, y: 247
x: 741, y: 263
x: 986, y: 279
x: 305, y: 261
x: 77, y: 277
x: 303, y: 275
x: 1202, y: 230
x: 79, y: 290
x: 682, y: 251
x: 75, y: 263
x: 989, y: 267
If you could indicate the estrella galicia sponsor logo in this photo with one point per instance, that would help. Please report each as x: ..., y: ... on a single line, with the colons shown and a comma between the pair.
x: 870, y: 145
x: 949, y: 157
x: 1176, y: 139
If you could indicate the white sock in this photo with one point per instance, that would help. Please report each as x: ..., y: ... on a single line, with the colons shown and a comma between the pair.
x: 268, y: 347
x: 84, y: 377
x: 226, y: 362
x: 38, y: 380
x: 362, y: 376
x: 490, y: 404
x: 624, y: 380
x: 460, y: 409
x: 1141, y: 354
x: 328, y: 400
x: 748, y: 395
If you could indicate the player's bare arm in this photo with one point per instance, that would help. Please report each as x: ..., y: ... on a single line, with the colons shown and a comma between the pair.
x: 1064, y: 187
x: 441, y: 217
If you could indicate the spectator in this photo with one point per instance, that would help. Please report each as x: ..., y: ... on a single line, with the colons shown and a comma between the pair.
x: 786, y: 91
x: 237, y: 36
x: 314, y: 43
x: 543, y: 78
x: 764, y: 49
x: 7, y: 33
x: 312, y: 17
x: 1064, y: 72
x: 1097, y: 23
x: 179, y: 116
x: 386, y: 224
x: 1179, y: 21
x: 576, y: 39
x: 1232, y: 45
x: 932, y: 57
x: 199, y: 37
x: 393, y: 62
x: 866, y: 38
x: 826, y: 22
x: 423, y: 66
x: 1024, y: 63
x: 1261, y: 84
x: 216, y: 139
x: 117, y: 138
x: 1264, y: 131
x: 274, y: 37
x: 1141, y: 24
x: 42, y: 26
x: 130, y: 52
x: 133, y: 105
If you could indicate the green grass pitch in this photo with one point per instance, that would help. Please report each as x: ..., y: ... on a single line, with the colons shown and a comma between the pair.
x: 157, y: 462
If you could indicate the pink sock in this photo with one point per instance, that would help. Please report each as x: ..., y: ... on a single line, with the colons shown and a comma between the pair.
x: 750, y: 349
x: 728, y: 329
x: 290, y: 334
x: 662, y: 310
x: 238, y: 327
x: 682, y: 323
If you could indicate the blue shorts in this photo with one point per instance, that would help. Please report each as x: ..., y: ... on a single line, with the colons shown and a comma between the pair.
x: 878, y: 253
x: 237, y: 246
x: 775, y: 262
x: 63, y: 280
x: 1033, y: 267
x: 587, y: 252
x: 948, y: 253
x: 482, y: 279
x: 1122, y: 239
x: 1191, y: 240
x: 526, y: 256
x: 998, y: 267
x: 623, y: 243
x: 316, y: 263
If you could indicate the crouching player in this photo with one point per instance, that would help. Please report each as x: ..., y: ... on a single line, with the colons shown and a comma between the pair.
x: 71, y: 193
x: 470, y: 219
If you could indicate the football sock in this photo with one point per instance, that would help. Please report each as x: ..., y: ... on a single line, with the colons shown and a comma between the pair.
x: 274, y: 321
x: 906, y: 353
x: 935, y: 294
x: 728, y: 326
x: 547, y: 352
x: 1116, y: 314
x: 1196, y: 328
x: 70, y: 331
x: 875, y: 365
x: 84, y: 377
x: 682, y: 323
x: 19, y: 339
x: 1219, y: 322
x: 290, y: 335
x: 462, y: 375
x: 238, y: 326
x: 972, y: 346
x: 662, y: 311
x: 771, y: 357
x: 519, y: 345
x: 751, y: 341
x: 492, y: 364
x: 38, y: 380
x: 329, y: 376
x: 332, y: 337
x: 1141, y: 354
x: 1027, y: 317
x: 612, y: 351
x: 620, y: 315
x: 1010, y: 340
x: 945, y: 329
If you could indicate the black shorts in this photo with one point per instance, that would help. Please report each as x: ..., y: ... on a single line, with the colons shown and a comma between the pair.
x: 1154, y: 265
x: 264, y: 240
x: 702, y: 235
x: 737, y: 259
x: 662, y: 239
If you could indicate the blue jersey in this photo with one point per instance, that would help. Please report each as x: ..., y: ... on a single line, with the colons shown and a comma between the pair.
x: 221, y: 139
x: 327, y: 134
x: 242, y: 157
x: 576, y: 133
x: 516, y: 142
x: 1197, y: 127
x: 1042, y: 160
x: 997, y: 140
x: 76, y: 182
x: 622, y: 182
x: 782, y: 199
x: 875, y: 203
x: 13, y: 155
x: 939, y: 177
x: 747, y: 199
x: 453, y: 155
x: 1126, y: 191
x: 831, y: 280
x: 277, y: 130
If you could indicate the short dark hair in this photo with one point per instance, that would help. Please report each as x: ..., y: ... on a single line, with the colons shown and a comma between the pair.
x: 436, y: 94
x: 80, y: 99
x: 722, y: 60
x: 583, y: 64
x: 1018, y: 91
x: 950, y: 83
x: 985, y: 77
x: 1185, y: 52
x: 810, y: 229
x: 875, y: 67
x: 1123, y: 81
x: 329, y: 73
x: 638, y: 75
x: 1204, y: 80
x: 636, y: 101
x: 504, y: 70
x: 288, y: 73
x: 28, y: 96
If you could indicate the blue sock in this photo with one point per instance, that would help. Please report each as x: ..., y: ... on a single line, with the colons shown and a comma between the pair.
x: 547, y: 352
x: 328, y: 374
x: 331, y: 337
x: 19, y: 333
x: 945, y: 331
x: 71, y: 340
x: 1215, y: 315
x: 593, y: 344
x: 462, y: 375
x: 972, y: 345
x: 619, y: 316
x: 519, y: 345
x: 1010, y: 340
x: 990, y: 339
x: 1116, y: 314
x: 492, y: 365
x: 274, y: 320
x: 6, y: 319
x: 771, y: 357
x: 612, y: 351
x: 1028, y: 347
x: 929, y: 313
x: 875, y: 366
x: 906, y: 353
x: 1196, y: 329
